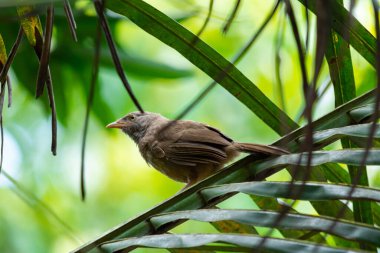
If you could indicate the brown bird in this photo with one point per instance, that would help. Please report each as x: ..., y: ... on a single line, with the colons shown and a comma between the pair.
x: 184, y: 150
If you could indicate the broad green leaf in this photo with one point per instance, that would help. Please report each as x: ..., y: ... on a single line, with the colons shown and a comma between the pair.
x: 247, y: 242
x: 204, y: 57
x: 345, y: 229
x: 305, y: 191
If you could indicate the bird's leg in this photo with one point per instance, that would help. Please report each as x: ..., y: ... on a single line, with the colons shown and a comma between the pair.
x: 190, y: 183
x: 193, y: 179
x: 184, y: 188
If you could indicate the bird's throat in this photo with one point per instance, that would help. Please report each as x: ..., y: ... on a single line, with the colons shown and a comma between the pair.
x: 136, y: 134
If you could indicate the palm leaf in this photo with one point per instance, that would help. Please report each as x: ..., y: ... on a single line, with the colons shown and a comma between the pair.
x: 310, y: 190
x: 192, y: 199
x: 345, y: 229
x: 237, y: 243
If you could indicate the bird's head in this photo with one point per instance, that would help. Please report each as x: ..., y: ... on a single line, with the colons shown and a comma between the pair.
x: 135, y: 124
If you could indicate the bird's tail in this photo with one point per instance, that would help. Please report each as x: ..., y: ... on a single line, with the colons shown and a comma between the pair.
x: 257, y: 148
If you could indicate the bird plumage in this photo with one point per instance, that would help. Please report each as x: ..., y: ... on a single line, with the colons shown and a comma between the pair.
x: 184, y: 150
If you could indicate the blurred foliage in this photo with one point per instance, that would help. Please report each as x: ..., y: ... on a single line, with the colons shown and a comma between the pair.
x: 120, y: 184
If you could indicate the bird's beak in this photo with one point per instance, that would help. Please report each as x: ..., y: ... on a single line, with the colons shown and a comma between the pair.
x: 117, y: 124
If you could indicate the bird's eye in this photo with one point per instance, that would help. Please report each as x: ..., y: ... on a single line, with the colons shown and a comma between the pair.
x: 131, y: 117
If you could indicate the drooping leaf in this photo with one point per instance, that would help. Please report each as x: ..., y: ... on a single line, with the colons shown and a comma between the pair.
x: 70, y: 19
x: 3, y: 53
x: 99, y: 7
x: 43, y: 68
x: 31, y: 25
x: 6, y: 66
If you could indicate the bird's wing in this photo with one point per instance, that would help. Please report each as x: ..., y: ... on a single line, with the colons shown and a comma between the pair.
x: 200, y: 133
x: 194, y: 143
x: 192, y: 154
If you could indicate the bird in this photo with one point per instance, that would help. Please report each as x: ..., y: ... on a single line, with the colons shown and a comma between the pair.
x: 184, y: 150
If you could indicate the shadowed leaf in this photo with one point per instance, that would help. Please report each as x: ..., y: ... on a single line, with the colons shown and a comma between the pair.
x: 246, y: 242
x: 345, y: 229
x: 311, y: 190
